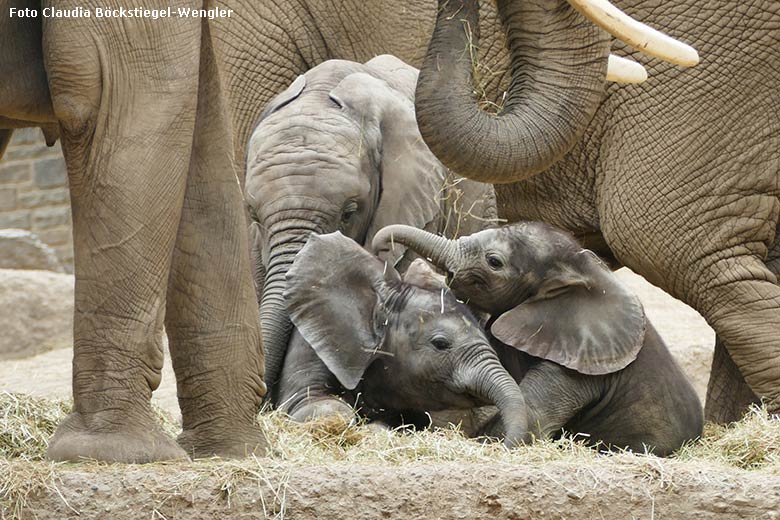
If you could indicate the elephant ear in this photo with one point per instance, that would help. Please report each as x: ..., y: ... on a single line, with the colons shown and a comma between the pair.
x: 284, y: 97
x: 335, y: 295
x: 421, y: 274
x: 581, y: 318
x: 411, y: 176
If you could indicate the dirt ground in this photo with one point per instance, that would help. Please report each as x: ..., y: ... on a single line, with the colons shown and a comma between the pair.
x: 622, y: 486
x: 441, y: 491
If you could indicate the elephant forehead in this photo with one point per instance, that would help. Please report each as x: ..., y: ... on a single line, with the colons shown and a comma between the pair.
x: 437, y: 309
x: 305, y: 183
x: 305, y: 126
x: 528, y: 240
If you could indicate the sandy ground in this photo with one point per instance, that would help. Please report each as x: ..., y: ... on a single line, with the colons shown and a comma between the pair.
x: 684, y: 330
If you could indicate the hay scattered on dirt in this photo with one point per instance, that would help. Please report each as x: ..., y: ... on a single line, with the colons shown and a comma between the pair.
x: 26, y: 423
x: 752, y: 443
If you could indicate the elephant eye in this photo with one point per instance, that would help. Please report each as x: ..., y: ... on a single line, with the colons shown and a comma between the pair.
x: 494, y: 261
x: 441, y: 343
x: 349, y: 211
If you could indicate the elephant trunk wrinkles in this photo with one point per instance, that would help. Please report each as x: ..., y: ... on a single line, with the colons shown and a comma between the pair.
x: 443, y: 252
x: 492, y: 383
x: 558, y: 69
x: 274, y: 317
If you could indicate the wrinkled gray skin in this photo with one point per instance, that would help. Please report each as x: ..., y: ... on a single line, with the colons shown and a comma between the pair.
x: 677, y: 178
x: 395, y: 350
x: 578, y: 343
x: 339, y: 150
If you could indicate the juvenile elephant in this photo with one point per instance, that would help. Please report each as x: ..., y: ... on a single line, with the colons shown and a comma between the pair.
x: 339, y: 150
x: 578, y: 343
x: 394, y: 349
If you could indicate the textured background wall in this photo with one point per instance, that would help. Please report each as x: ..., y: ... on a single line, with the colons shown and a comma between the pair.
x: 34, y: 192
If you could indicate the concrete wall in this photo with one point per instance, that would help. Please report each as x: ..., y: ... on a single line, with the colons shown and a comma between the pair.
x: 34, y: 192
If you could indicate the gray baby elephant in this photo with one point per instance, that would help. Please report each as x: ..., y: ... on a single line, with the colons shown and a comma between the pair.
x: 579, y: 344
x: 339, y: 150
x: 395, y: 349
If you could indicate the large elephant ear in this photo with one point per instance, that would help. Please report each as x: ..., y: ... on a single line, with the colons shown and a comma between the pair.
x: 411, y: 176
x: 581, y: 318
x: 335, y: 295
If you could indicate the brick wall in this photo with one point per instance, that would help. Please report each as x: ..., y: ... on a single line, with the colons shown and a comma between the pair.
x: 34, y: 192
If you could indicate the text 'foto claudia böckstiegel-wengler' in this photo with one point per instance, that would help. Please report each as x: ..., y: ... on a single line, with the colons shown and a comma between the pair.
x: 119, y: 12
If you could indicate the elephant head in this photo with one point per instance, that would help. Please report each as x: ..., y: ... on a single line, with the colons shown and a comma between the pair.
x: 339, y: 150
x: 546, y: 295
x: 409, y: 347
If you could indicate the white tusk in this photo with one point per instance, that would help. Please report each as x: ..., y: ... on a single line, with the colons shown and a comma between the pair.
x: 622, y: 70
x: 636, y: 34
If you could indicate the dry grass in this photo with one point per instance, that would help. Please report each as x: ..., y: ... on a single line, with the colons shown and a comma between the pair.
x: 752, y: 443
x: 26, y: 423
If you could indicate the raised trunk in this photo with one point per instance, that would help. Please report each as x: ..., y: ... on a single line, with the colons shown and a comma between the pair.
x: 558, y: 67
x: 492, y: 383
x: 443, y: 252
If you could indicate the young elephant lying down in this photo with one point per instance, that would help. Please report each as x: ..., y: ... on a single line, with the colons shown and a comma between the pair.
x: 579, y: 344
x: 395, y: 349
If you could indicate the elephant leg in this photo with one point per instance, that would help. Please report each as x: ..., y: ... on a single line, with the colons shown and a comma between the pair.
x: 728, y: 395
x: 307, y: 389
x: 745, y: 313
x: 124, y: 92
x: 211, y: 317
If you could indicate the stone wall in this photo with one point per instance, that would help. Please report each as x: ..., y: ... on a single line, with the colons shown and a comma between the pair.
x: 34, y: 192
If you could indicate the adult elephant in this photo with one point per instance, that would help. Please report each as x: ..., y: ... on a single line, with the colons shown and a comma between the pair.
x: 678, y: 179
x: 154, y: 116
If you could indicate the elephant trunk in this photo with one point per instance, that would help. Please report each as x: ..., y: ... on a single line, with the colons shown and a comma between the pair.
x: 275, y: 324
x: 443, y: 252
x: 491, y: 383
x: 558, y: 68
x: 274, y: 317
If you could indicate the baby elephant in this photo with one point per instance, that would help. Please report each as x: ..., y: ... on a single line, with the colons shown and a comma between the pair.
x: 395, y: 349
x: 586, y: 357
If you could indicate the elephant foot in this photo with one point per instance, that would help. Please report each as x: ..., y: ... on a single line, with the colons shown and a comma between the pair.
x: 728, y: 396
x: 226, y: 441
x: 330, y: 407
x: 141, y: 442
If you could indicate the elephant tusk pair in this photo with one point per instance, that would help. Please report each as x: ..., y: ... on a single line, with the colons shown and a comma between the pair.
x: 636, y: 34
